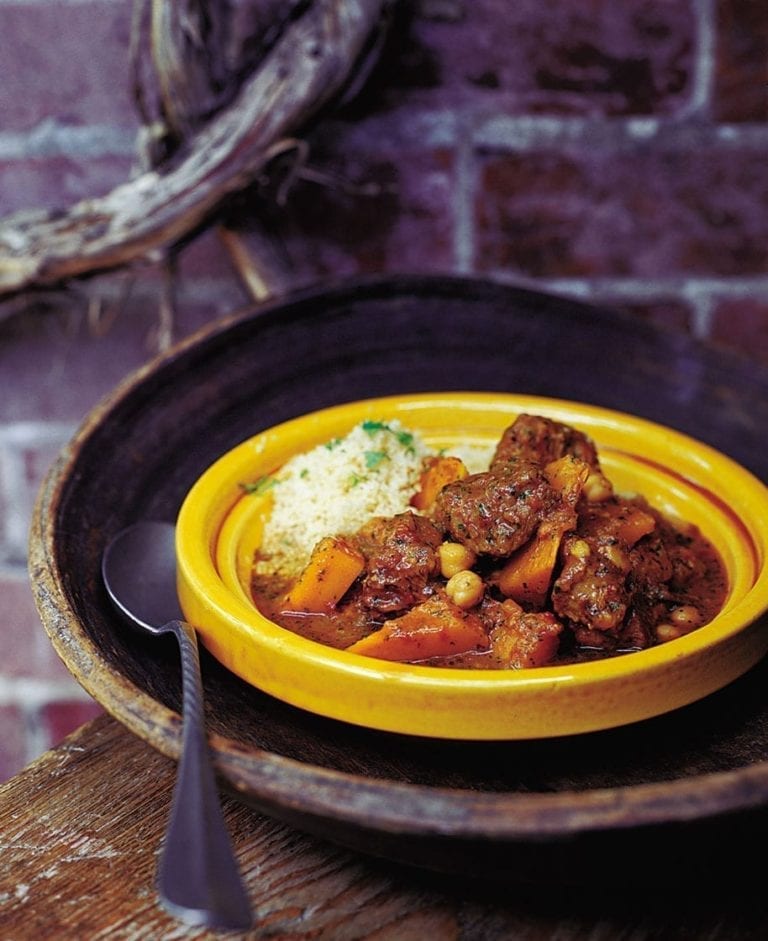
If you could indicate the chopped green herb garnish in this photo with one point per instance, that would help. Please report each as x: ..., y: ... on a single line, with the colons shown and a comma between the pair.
x: 374, y: 458
x: 353, y: 480
x: 259, y: 486
x: 404, y: 437
x: 371, y: 427
x: 333, y: 443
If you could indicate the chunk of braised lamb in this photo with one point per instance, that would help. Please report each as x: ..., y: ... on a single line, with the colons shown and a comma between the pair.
x: 495, y: 512
x: 541, y: 440
x: 652, y: 568
x: 520, y: 638
x: 664, y: 564
x: 591, y: 590
x: 619, y: 575
x: 633, y: 634
x: 687, y: 565
x: 400, y: 558
x: 638, y: 631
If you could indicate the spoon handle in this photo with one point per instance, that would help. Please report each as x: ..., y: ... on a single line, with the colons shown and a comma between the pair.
x: 198, y: 877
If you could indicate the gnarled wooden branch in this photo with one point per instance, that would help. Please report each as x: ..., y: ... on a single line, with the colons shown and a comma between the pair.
x: 308, y: 64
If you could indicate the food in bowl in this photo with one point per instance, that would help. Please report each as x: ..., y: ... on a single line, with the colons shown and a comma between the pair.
x: 220, y: 526
x: 524, y: 555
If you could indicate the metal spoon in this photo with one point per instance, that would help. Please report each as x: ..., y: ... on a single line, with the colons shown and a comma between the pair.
x: 197, y: 878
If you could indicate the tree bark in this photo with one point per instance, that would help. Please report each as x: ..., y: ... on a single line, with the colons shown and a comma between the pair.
x: 204, y: 158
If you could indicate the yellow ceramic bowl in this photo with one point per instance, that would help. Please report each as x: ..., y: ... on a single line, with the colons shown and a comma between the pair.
x: 219, y: 528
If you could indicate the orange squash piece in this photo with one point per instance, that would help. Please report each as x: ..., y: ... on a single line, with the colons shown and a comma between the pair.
x: 527, y: 575
x: 567, y: 475
x: 332, y: 567
x: 523, y: 639
x: 634, y: 525
x: 437, y: 473
x: 435, y: 628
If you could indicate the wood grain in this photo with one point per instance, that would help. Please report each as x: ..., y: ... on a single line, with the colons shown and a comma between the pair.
x: 82, y: 825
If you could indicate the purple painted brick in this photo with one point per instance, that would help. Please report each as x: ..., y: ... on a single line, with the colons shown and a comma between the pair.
x: 596, y: 58
x: 60, y: 361
x: 379, y: 201
x: 741, y: 74
x: 666, y: 312
x: 61, y: 718
x: 648, y: 212
x: 28, y: 652
x: 742, y: 324
x: 206, y: 258
x: 66, y: 61
x: 58, y: 365
x: 13, y: 750
x: 57, y: 182
x: 24, y: 461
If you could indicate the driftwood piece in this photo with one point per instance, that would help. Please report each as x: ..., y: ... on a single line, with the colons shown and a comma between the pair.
x: 306, y: 65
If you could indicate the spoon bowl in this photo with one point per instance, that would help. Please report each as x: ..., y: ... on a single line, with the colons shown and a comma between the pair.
x: 198, y: 878
x: 139, y: 571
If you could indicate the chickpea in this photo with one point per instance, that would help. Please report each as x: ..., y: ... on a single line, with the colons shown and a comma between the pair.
x: 597, y: 488
x: 455, y: 558
x: 667, y: 631
x: 616, y: 556
x: 465, y: 589
x: 686, y: 617
x: 579, y: 549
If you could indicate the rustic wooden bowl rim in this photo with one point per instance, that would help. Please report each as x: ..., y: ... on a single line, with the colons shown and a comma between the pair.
x: 307, y: 791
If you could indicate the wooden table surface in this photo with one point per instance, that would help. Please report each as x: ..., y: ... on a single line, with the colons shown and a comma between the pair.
x: 82, y: 825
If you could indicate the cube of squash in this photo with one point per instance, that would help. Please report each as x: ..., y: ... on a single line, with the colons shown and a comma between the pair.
x: 567, y: 475
x: 332, y: 568
x: 527, y: 576
x: 435, y: 628
x: 635, y: 524
x: 437, y: 473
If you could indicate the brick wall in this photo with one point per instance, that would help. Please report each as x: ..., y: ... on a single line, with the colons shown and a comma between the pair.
x: 610, y: 151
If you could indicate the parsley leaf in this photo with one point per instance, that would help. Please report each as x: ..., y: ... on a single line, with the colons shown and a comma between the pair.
x: 374, y: 458
x: 371, y: 427
x: 404, y: 437
x: 260, y: 486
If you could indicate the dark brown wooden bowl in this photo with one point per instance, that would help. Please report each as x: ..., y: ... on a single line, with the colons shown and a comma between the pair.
x: 665, y: 798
